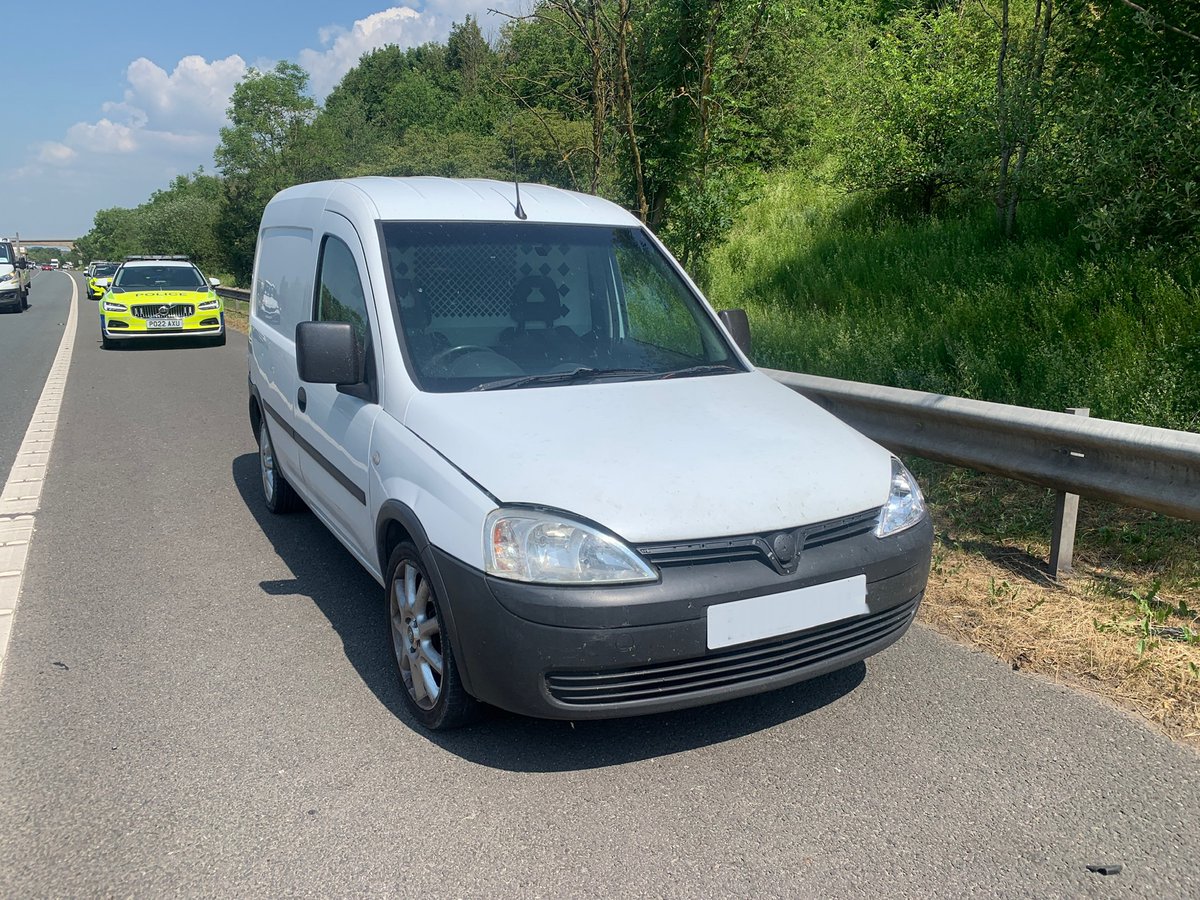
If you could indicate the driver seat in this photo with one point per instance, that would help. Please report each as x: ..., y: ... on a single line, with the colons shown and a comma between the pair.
x: 535, y: 304
x: 415, y: 318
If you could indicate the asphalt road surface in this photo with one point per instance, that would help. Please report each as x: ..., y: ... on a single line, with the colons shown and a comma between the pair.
x: 28, y: 341
x: 198, y: 699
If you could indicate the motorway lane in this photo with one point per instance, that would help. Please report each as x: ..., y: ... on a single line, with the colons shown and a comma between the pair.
x: 28, y: 342
x: 198, y: 699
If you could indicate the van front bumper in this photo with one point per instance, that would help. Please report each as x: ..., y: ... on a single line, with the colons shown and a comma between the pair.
x: 13, y: 298
x: 590, y: 653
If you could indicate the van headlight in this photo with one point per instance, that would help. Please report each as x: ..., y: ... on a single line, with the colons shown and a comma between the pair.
x: 550, y: 548
x: 11, y: 276
x: 905, y: 506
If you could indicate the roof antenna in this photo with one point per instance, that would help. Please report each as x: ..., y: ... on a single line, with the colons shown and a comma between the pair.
x: 520, y: 210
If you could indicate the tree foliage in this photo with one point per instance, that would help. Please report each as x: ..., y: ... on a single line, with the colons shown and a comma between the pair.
x: 181, y: 218
x: 262, y: 150
x: 677, y: 109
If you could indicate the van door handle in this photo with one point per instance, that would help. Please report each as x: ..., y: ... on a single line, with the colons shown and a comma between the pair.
x: 301, y: 399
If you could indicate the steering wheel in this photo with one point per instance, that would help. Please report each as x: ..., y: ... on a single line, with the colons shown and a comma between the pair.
x: 444, y: 357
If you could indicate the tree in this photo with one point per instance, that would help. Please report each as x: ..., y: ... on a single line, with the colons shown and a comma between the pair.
x: 1127, y: 155
x: 468, y: 54
x: 916, y: 108
x: 181, y: 218
x: 111, y: 235
x: 268, y: 113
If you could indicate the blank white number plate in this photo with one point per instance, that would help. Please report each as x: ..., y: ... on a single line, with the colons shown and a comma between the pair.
x: 756, y: 618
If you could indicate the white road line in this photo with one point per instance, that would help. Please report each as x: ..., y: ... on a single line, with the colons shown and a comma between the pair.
x: 22, y: 493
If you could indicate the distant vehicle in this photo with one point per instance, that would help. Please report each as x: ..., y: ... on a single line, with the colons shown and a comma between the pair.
x: 100, y: 278
x: 46, y: 267
x: 160, y: 296
x: 54, y: 263
x: 14, y: 278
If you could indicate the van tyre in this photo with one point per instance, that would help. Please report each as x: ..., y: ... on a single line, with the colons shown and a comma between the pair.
x: 277, y: 493
x: 429, y: 679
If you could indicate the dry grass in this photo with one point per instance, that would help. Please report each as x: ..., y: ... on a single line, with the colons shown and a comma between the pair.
x: 237, y: 321
x: 1125, y: 626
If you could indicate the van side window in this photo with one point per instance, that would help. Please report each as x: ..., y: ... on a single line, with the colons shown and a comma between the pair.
x: 340, y: 296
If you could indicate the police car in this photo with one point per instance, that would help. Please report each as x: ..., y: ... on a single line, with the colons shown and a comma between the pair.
x: 160, y: 297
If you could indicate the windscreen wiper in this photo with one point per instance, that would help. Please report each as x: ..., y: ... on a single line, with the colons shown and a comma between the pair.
x: 710, y: 369
x: 583, y: 373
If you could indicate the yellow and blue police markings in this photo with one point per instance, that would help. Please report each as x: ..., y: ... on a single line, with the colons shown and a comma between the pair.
x: 167, y: 312
x: 99, y: 281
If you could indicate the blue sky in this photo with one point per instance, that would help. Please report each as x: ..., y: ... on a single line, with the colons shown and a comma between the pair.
x: 114, y: 99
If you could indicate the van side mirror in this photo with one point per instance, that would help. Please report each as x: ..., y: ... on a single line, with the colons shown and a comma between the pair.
x: 738, y: 326
x: 22, y: 263
x: 328, y: 353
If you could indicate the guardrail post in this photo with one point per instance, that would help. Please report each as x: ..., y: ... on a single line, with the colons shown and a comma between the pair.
x: 1066, y: 515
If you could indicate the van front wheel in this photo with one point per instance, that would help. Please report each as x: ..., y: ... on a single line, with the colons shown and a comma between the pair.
x: 421, y: 647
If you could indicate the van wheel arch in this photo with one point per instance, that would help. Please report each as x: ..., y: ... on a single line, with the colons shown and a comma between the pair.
x: 255, y: 415
x: 397, y: 524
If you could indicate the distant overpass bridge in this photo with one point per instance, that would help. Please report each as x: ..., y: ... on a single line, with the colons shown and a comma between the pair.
x: 65, y: 243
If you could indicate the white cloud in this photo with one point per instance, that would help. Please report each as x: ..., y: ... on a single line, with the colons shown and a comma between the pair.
x: 193, y: 97
x: 181, y: 110
x: 400, y: 25
x: 104, y: 136
x: 55, y: 153
x: 166, y: 122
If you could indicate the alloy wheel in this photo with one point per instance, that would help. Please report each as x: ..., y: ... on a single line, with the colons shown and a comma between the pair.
x: 417, y: 635
x: 266, y: 463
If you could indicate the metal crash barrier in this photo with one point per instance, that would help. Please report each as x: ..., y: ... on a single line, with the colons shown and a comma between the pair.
x: 1133, y: 465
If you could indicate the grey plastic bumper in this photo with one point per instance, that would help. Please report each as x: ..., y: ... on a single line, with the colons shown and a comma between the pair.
x: 585, y: 653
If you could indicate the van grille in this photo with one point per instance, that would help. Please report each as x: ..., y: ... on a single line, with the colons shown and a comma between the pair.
x: 759, y: 546
x: 732, y: 666
x: 154, y: 310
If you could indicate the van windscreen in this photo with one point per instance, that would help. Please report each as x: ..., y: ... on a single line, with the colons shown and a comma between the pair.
x: 496, y: 305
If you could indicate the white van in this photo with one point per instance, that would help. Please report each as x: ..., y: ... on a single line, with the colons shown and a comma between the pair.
x: 14, y: 278
x: 513, y: 407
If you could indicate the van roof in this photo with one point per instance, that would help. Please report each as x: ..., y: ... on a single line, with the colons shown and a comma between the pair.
x: 462, y: 199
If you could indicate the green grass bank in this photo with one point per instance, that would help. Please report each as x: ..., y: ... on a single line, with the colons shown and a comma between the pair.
x: 841, y: 286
